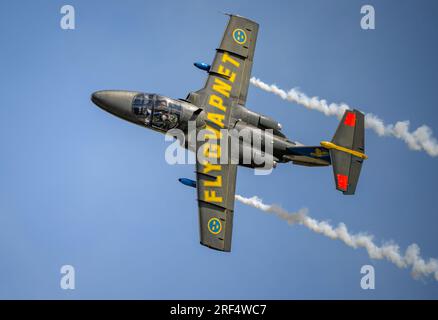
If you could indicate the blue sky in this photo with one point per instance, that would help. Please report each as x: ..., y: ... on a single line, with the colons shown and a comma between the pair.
x: 81, y: 187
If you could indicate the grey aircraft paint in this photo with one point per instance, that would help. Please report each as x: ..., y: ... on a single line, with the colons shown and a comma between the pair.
x: 221, y: 105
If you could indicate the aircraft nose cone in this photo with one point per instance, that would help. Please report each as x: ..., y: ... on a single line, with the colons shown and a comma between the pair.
x: 116, y: 102
x: 99, y: 98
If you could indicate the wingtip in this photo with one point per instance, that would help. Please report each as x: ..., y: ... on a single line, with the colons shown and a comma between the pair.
x: 230, y: 14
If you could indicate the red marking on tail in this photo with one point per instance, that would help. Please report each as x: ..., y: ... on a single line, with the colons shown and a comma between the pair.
x: 342, y: 181
x: 350, y: 119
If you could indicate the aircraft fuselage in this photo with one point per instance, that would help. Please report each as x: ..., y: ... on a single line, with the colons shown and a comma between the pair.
x: 162, y: 114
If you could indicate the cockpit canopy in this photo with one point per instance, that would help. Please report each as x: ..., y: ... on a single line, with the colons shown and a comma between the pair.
x: 156, y: 111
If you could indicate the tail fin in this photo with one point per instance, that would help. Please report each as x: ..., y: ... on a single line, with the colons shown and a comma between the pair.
x: 347, y: 151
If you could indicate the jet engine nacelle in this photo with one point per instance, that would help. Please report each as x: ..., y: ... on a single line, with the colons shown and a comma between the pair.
x: 256, y: 119
x: 269, y: 123
x: 254, y: 158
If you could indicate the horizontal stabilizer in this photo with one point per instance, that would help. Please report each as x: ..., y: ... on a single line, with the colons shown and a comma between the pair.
x: 347, y: 151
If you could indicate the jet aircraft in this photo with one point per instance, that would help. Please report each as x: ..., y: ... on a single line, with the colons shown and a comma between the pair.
x: 220, y: 104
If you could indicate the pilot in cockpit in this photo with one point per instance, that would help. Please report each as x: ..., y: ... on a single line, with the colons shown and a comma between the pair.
x: 156, y: 112
x: 163, y: 118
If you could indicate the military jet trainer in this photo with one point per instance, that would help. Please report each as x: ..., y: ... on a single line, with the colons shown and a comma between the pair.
x: 220, y: 104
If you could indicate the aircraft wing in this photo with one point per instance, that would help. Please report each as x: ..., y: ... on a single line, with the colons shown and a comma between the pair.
x: 234, y: 57
x: 226, y: 86
x: 216, y: 189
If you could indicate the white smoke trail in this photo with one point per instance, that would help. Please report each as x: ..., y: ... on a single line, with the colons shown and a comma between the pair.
x: 420, y: 139
x: 390, y: 251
